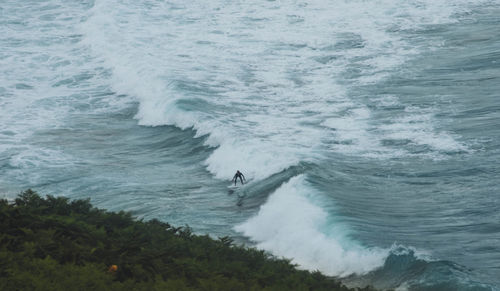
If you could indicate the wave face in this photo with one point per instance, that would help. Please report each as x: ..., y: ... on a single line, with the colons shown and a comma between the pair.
x: 301, y: 230
x: 369, y: 130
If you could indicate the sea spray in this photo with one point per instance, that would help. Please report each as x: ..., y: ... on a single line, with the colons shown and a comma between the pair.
x: 291, y: 225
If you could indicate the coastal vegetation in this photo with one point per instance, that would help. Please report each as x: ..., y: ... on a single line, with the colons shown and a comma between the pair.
x: 53, y: 243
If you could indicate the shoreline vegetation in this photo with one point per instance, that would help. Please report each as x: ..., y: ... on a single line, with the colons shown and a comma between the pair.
x: 53, y: 243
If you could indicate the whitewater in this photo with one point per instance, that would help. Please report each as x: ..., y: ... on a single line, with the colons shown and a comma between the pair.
x: 369, y: 131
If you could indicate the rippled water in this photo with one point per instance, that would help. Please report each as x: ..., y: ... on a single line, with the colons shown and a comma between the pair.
x: 369, y: 130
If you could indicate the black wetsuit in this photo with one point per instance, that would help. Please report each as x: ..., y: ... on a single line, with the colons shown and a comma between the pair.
x: 238, y: 175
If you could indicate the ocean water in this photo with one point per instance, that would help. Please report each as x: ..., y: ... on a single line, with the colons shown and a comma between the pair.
x: 369, y: 130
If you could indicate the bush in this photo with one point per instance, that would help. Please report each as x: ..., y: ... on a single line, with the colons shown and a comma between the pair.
x: 54, y: 244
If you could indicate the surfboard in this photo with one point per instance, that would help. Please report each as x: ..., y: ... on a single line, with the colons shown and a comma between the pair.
x: 236, y: 188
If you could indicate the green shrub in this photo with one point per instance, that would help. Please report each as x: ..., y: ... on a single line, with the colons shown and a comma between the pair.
x: 56, y: 244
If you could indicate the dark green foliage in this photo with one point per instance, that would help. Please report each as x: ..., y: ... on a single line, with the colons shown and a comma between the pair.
x: 55, y: 244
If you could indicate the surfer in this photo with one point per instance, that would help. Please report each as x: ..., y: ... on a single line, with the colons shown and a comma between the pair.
x: 238, y: 175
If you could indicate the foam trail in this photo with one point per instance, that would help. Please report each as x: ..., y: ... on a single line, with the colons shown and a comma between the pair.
x: 291, y: 225
x: 266, y: 90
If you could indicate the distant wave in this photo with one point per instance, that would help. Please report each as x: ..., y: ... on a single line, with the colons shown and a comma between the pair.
x: 220, y: 71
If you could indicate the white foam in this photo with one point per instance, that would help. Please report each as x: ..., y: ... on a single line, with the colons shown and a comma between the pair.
x: 242, y: 53
x: 351, y: 131
x: 418, y: 126
x: 45, y: 76
x: 28, y: 157
x: 290, y: 224
x: 420, y: 254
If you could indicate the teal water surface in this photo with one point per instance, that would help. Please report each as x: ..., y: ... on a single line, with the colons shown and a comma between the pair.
x: 370, y: 130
